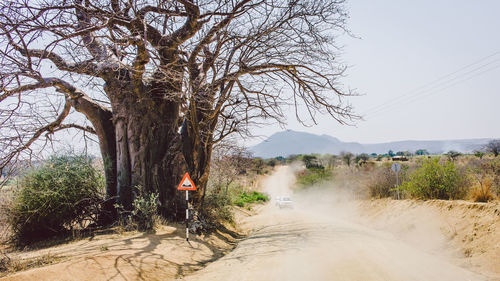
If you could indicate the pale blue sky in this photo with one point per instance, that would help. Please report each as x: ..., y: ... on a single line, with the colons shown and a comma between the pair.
x: 407, y: 44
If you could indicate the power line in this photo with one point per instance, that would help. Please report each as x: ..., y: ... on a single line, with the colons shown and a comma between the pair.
x: 437, y: 82
x: 433, y: 91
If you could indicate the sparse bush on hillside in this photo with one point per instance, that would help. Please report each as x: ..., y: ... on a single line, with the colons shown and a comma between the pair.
x: 64, y: 192
x: 435, y: 180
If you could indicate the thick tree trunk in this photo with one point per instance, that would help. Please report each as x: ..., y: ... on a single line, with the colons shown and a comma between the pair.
x: 148, y: 148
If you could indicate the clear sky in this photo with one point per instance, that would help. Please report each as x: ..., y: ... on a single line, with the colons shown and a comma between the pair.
x: 427, y: 69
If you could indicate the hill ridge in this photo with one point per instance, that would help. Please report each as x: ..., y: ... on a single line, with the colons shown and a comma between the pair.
x: 290, y: 142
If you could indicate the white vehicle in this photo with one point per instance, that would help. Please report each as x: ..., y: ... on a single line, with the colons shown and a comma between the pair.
x: 284, y: 202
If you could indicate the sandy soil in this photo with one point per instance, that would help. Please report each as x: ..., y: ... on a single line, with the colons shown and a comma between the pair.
x: 468, y: 233
x: 163, y: 255
x: 323, y: 239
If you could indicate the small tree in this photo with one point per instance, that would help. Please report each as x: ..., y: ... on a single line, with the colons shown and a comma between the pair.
x: 453, y: 155
x: 309, y: 160
x: 363, y: 157
x: 422, y: 152
x: 493, y: 147
x: 391, y: 153
x: 271, y: 162
x: 479, y: 154
x: 347, y: 158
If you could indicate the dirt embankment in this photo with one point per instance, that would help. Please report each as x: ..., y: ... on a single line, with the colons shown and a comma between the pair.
x: 164, y: 255
x: 469, y: 233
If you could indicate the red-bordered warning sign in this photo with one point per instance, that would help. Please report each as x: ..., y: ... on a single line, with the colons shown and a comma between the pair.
x: 186, y: 183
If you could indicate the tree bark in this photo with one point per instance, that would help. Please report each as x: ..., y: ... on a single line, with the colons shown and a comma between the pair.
x: 148, y: 146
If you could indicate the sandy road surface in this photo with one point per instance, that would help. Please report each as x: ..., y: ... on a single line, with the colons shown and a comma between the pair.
x: 303, y: 244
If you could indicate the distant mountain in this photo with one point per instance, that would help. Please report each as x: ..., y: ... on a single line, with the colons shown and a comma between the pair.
x: 291, y: 142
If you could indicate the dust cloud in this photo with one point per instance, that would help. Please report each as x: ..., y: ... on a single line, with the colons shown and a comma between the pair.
x: 325, y: 237
x: 344, y: 197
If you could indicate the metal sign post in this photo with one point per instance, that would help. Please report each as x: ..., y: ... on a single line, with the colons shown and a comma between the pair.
x: 187, y: 215
x: 396, y: 167
x: 187, y: 184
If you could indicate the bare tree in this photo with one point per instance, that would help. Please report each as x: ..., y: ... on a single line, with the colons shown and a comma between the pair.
x: 229, y: 161
x: 160, y: 82
x: 493, y: 147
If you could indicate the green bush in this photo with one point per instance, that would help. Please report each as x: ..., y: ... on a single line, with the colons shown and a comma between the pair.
x: 435, y: 180
x: 313, y: 176
x: 217, y: 207
x: 246, y: 198
x: 145, y: 212
x: 53, y: 198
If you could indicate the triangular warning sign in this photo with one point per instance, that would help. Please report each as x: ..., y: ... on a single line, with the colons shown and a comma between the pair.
x: 186, y: 183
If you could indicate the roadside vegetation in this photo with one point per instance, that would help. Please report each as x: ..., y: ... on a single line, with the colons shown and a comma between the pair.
x: 58, y: 196
x: 450, y: 176
x: 234, y: 181
x: 250, y: 197
x: 312, y: 176
x: 64, y: 196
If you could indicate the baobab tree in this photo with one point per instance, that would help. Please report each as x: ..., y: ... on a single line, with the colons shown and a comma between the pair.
x: 160, y: 82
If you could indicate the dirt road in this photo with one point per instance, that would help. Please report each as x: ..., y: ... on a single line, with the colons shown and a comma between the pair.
x: 311, y: 242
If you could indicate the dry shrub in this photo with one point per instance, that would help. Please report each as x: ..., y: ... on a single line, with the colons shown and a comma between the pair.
x: 482, y: 192
x: 9, y: 265
x: 382, y: 180
x: 485, y: 169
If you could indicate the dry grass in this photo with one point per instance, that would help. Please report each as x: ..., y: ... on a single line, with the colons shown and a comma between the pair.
x: 9, y: 265
x: 482, y: 192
